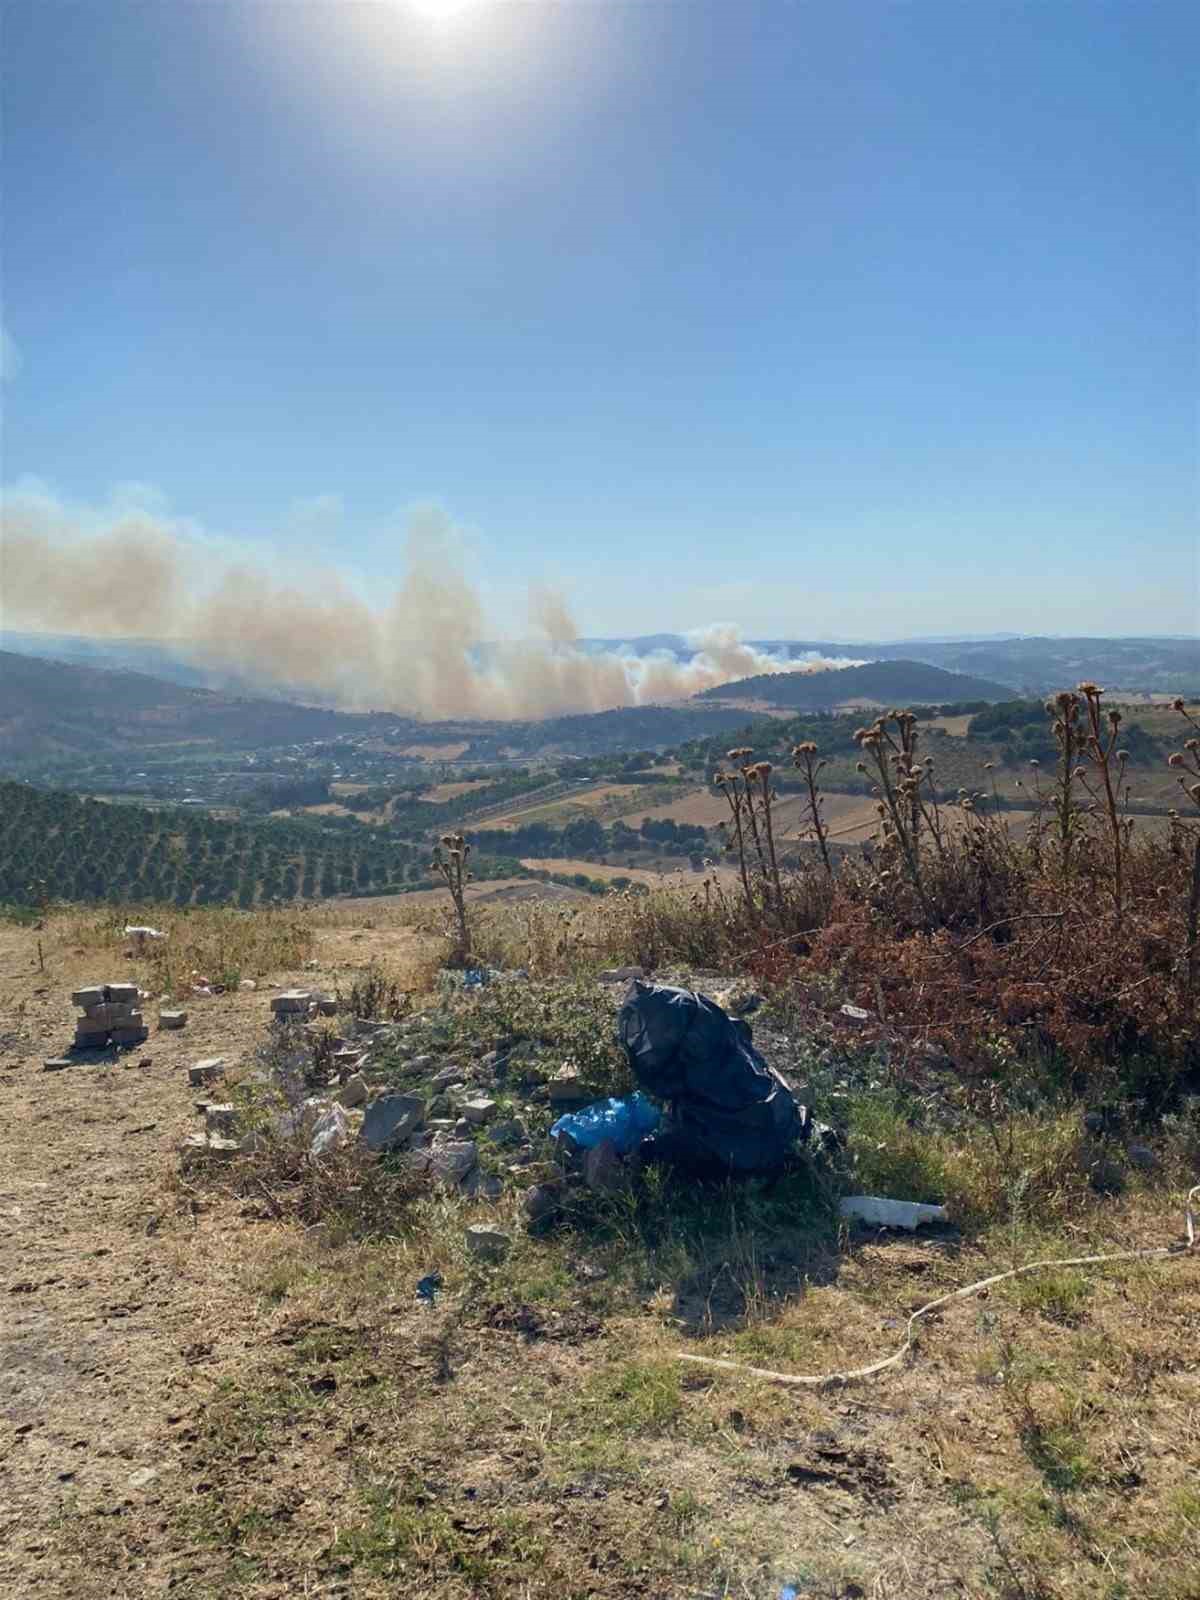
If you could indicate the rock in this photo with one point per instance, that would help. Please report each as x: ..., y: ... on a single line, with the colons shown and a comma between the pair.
x: 172, y: 1019
x: 326, y: 1005
x: 390, y: 1119
x: 854, y: 1014
x: 462, y: 1128
x: 603, y: 1169
x: 490, y: 1243
x: 510, y: 1132
x: 329, y: 1131
x: 441, y: 1125
x: 422, y: 1064
x: 1106, y: 1176
x: 206, y: 1071
x: 55, y: 1064
x: 479, y: 1111
x: 440, y: 1106
x: 1093, y: 1121
x: 1141, y: 1156
x: 480, y: 1185
x: 354, y: 1091
x: 566, y: 1088
x: 248, y: 985
x: 620, y: 974
x: 448, y: 1075
x: 542, y: 1200
x: 450, y: 1160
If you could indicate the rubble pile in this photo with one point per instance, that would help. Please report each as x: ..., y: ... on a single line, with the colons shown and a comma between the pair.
x: 110, y: 1016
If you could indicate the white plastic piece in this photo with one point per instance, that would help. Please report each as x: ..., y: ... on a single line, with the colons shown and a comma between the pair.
x: 883, y: 1213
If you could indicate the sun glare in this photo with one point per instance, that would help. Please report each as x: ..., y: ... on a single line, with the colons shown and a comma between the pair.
x: 442, y: 10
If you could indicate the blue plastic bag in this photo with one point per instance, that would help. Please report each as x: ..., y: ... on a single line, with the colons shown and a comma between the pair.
x: 626, y: 1122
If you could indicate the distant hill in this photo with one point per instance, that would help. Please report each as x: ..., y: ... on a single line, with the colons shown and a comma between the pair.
x: 892, y: 683
x: 51, y: 711
x: 50, y: 708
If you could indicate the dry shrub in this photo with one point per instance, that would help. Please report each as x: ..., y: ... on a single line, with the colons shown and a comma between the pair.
x: 1061, y: 976
x: 350, y: 1191
x: 221, y: 944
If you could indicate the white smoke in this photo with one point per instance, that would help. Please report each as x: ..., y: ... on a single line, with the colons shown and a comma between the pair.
x: 423, y: 652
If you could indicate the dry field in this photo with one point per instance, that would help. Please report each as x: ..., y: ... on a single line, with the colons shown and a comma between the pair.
x: 203, y: 1398
x: 451, y: 791
x: 595, y: 869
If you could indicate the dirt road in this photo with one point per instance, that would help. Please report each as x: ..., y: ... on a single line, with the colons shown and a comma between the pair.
x: 108, y: 1298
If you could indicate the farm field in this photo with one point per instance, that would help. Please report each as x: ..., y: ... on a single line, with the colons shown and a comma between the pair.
x: 607, y: 871
x: 442, y: 792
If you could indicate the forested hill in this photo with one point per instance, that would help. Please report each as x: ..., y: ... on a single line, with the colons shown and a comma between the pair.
x: 70, y: 848
x: 889, y: 683
x: 51, y: 707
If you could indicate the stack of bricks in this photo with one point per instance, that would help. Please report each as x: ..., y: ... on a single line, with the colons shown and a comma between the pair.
x: 110, y: 1016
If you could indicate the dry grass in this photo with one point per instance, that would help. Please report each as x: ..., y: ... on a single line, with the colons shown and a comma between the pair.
x: 219, y: 944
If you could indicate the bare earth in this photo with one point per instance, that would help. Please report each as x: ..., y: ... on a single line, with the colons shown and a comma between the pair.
x: 200, y: 1402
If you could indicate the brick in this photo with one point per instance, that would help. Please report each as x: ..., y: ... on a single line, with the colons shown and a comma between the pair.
x: 127, y: 1036
x: 291, y: 1002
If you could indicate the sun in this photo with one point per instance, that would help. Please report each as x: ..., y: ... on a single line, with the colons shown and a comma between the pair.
x: 442, y: 10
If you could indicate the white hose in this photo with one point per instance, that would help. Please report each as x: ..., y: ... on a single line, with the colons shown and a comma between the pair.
x: 836, y: 1379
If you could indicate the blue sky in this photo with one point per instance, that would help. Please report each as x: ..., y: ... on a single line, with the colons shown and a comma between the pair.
x: 840, y: 320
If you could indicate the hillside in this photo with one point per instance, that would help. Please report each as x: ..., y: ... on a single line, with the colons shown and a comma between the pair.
x: 891, y: 683
x: 54, y: 707
x: 79, y: 849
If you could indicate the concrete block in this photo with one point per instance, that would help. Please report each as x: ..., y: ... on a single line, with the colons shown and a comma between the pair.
x: 206, y: 1071
x: 291, y: 1003
x: 91, y: 996
x: 123, y: 993
x: 56, y: 1064
x: 128, y: 1036
x: 172, y: 1019
x: 566, y: 1089
x: 91, y: 1027
x: 480, y: 1110
x: 220, y: 1119
x: 202, y: 1144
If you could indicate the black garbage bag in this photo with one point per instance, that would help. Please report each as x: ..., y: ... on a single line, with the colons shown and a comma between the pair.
x: 728, y: 1111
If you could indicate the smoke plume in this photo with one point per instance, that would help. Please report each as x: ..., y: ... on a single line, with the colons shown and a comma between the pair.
x: 306, y: 634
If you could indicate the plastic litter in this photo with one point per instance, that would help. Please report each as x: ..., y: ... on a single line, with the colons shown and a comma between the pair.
x: 728, y: 1111
x: 626, y: 1122
x: 885, y: 1213
x: 427, y: 1287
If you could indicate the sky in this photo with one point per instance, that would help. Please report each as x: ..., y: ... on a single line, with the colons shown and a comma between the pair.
x: 844, y: 320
